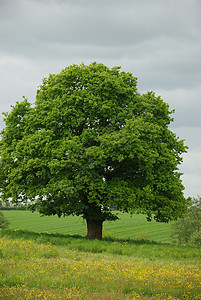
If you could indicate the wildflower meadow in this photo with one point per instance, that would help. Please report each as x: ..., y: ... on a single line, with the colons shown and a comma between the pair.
x: 32, y: 269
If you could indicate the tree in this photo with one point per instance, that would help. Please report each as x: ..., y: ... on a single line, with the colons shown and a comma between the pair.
x: 4, y: 223
x: 188, y: 228
x: 92, y: 142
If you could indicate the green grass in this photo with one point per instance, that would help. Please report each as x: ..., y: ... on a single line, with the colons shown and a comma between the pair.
x: 49, y: 258
x: 52, y: 266
x: 132, y: 248
x: 135, y: 227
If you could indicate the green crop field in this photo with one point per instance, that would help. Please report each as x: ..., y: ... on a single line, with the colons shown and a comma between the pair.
x: 135, y: 227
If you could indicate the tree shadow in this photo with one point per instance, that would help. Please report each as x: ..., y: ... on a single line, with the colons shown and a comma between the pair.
x: 61, y: 239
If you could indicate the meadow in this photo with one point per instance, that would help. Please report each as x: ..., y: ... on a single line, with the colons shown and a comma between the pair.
x: 38, y: 264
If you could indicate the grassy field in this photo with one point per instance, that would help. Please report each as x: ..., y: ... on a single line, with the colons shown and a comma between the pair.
x: 135, y: 227
x: 41, y: 258
x: 51, y: 266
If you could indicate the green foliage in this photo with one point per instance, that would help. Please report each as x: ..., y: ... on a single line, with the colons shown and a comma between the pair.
x: 196, y: 238
x: 4, y: 223
x: 92, y: 142
x: 188, y: 228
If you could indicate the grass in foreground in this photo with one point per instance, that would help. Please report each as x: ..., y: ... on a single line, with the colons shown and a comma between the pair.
x: 128, y: 247
x: 33, y: 270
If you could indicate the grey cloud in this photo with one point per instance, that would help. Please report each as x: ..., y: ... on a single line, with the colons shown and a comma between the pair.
x: 191, y: 135
x: 98, y: 23
x: 191, y: 168
x: 192, y: 184
x: 191, y: 165
x: 187, y: 105
x: 167, y: 63
x: 159, y: 41
x: 193, y: 161
x: 142, y: 35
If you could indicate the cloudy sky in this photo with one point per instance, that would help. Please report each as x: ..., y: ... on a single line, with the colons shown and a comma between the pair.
x: 159, y: 41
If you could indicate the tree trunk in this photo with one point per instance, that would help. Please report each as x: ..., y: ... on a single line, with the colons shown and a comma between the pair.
x: 94, y: 229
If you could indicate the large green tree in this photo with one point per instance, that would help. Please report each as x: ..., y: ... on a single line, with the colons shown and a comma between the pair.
x: 89, y: 143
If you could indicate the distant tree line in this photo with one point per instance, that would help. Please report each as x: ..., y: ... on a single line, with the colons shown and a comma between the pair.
x: 9, y: 206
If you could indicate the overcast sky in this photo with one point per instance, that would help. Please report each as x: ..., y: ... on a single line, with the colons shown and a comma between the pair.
x: 159, y: 41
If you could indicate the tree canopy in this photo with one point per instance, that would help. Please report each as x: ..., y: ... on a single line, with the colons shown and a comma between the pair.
x: 92, y: 142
